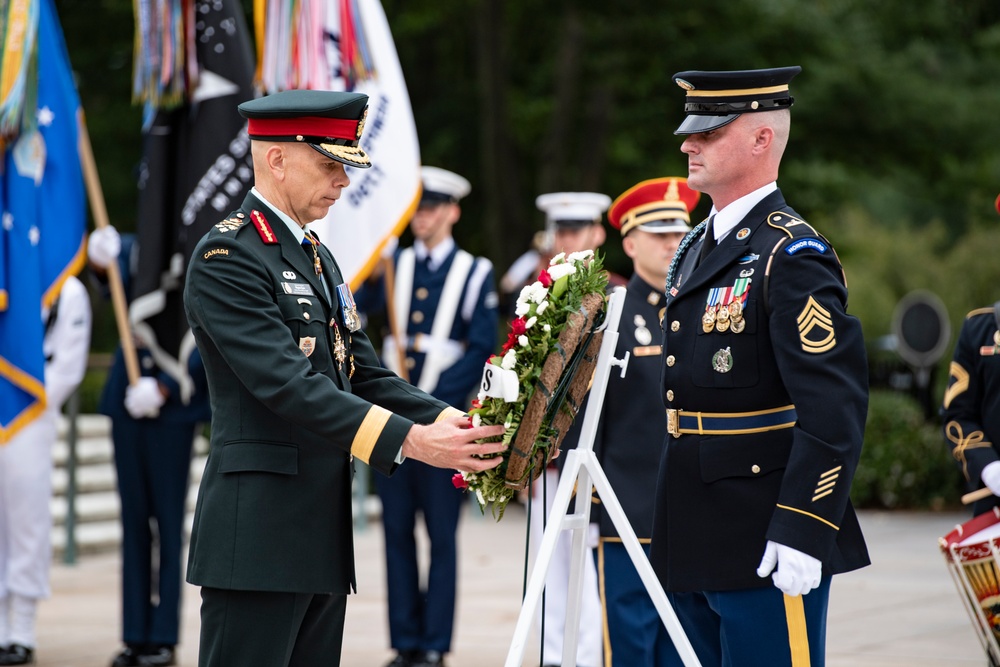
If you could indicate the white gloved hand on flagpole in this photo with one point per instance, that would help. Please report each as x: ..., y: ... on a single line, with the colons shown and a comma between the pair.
x: 797, y: 573
x: 103, y: 246
x: 143, y: 399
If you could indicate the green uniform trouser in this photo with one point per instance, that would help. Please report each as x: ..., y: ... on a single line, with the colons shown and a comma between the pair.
x: 265, y: 629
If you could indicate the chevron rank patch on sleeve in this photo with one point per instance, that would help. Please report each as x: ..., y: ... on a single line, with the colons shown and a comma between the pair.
x: 816, y: 328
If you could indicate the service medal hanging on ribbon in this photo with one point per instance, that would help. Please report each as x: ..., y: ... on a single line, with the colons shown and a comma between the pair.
x: 348, y: 308
x: 724, y: 308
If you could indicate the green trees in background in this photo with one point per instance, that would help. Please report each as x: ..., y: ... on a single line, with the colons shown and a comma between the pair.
x: 894, y: 153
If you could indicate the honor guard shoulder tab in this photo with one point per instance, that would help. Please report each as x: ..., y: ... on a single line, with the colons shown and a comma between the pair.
x: 800, y: 237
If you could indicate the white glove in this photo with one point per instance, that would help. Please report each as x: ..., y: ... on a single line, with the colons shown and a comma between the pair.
x: 593, y: 535
x: 104, y: 246
x: 797, y: 574
x: 991, y: 477
x: 143, y: 399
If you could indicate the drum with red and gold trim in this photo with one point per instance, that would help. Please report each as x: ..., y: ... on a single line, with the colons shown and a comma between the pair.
x: 972, y: 551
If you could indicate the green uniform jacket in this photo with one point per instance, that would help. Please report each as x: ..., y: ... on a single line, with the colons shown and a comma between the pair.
x: 274, y: 509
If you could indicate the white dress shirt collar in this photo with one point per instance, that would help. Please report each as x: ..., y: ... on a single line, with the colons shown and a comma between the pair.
x: 731, y: 215
x: 438, y: 254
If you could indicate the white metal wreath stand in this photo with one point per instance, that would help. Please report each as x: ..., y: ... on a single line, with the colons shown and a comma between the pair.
x: 581, y: 470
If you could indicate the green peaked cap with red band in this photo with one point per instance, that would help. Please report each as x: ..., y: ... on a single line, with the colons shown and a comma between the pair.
x: 329, y: 121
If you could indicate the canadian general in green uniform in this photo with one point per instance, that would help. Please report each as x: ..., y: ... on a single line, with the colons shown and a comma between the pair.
x: 297, y: 392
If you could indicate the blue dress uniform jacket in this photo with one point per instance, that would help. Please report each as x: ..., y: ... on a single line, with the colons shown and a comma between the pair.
x: 971, y: 407
x: 295, y: 395
x: 630, y: 434
x: 475, y: 324
x: 725, y: 491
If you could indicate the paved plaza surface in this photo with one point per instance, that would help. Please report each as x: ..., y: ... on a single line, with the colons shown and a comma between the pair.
x: 903, y: 610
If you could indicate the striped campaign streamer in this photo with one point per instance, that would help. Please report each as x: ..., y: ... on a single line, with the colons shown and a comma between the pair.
x: 19, y: 31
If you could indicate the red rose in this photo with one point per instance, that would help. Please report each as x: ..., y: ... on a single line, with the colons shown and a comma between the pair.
x: 545, y: 279
x: 476, y: 404
x: 518, y: 326
x: 511, y: 342
x: 458, y: 481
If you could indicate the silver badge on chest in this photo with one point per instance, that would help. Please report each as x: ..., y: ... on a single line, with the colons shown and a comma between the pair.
x: 642, y: 335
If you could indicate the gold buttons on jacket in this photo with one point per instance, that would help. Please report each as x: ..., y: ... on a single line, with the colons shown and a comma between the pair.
x: 675, y: 326
x: 417, y: 317
x: 670, y: 360
x: 755, y: 468
x: 421, y: 293
x: 670, y: 394
x: 305, y: 315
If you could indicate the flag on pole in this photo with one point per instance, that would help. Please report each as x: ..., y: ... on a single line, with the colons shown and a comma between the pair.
x: 196, y: 164
x: 43, y: 217
x: 357, y: 54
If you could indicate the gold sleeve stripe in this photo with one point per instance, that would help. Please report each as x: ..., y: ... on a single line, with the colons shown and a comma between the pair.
x: 828, y: 485
x: 830, y: 472
x: 808, y: 514
x: 820, y: 495
x: 448, y: 413
x: 369, y: 431
x: 960, y: 384
x: 798, y: 637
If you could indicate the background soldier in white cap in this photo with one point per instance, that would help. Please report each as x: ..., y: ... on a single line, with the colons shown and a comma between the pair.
x: 444, y: 305
x: 297, y: 392
x: 576, y: 218
x: 652, y: 216
x: 765, y: 382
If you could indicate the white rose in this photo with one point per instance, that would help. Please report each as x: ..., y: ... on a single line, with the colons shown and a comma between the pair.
x: 479, y: 496
x: 481, y: 396
x: 560, y: 270
x: 547, y: 328
x: 509, y: 360
x: 538, y: 292
x: 557, y: 259
x: 531, y: 321
x: 541, y: 308
x: 477, y: 420
x: 580, y: 256
x: 522, y: 309
x: 522, y: 340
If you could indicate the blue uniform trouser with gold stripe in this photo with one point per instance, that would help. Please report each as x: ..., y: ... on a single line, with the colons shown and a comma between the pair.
x: 635, y: 636
x: 759, y: 627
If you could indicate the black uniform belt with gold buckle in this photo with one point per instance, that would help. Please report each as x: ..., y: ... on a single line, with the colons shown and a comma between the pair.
x: 681, y: 422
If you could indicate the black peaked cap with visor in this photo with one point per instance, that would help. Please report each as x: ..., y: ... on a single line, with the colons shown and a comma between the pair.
x: 715, y: 99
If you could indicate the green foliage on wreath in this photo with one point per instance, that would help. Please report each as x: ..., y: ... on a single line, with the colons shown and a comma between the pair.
x: 543, y: 310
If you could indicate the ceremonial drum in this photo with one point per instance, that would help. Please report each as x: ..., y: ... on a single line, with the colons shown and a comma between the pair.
x: 972, y: 552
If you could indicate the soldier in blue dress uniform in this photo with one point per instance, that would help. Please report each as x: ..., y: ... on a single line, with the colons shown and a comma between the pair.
x: 971, y: 406
x: 766, y: 390
x: 445, y: 304
x: 153, y: 426
x: 652, y: 216
x: 297, y: 392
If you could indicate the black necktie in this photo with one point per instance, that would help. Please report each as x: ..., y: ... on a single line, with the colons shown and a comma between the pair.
x: 708, y: 245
